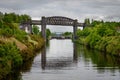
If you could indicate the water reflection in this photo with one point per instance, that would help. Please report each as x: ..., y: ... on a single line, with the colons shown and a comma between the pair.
x: 58, y: 63
x: 99, y: 60
x: 75, y: 55
x: 43, y: 58
x: 63, y: 60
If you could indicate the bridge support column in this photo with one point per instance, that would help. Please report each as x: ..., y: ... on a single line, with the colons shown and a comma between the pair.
x: 43, y: 57
x: 43, y: 28
x: 29, y: 26
x: 75, y: 56
x: 75, y: 30
x: 84, y: 25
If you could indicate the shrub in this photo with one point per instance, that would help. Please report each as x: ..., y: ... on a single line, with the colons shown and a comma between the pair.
x: 102, y: 43
x: 113, y: 45
x: 10, y: 52
x: 92, y: 39
x: 10, y: 58
x: 20, y: 35
x: 7, y: 32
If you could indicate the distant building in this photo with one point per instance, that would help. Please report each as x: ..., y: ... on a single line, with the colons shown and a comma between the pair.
x: 59, y: 35
x: 26, y: 28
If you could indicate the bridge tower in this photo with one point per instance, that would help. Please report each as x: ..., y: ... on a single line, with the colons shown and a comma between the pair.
x: 75, y: 30
x: 43, y: 27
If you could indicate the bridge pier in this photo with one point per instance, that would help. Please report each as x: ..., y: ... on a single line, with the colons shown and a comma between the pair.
x: 84, y: 25
x: 30, y: 28
x: 43, y: 27
x: 43, y: 57
x: 75, y: 30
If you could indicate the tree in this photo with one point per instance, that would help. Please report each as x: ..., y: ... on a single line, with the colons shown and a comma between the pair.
x: 35, y: 30
x: 87, y: 21
x: 1, y: 23
x: 25, y: 17
x: 1, y: 16
x: 48, y: 33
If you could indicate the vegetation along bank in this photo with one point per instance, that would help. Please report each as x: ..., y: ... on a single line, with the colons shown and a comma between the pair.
x: 100, y: 35
x: 16, y: 46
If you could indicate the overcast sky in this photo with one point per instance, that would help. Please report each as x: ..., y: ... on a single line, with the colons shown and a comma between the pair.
x: 77, y: 9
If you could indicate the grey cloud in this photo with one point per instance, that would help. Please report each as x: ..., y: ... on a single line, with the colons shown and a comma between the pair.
x: 70, y: 8
x: 77, y: 9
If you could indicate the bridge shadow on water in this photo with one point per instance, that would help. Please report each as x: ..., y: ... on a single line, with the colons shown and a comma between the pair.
x: 58, y: 63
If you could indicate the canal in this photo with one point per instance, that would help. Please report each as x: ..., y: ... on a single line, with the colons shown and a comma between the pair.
x: 63, y: 60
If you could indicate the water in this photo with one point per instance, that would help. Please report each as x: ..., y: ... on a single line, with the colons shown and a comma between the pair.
x: 63, y: 60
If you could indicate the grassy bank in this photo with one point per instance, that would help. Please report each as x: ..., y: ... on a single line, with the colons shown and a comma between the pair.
x: 13, y: 52
x: 16, y: 46
x: 103, y: 36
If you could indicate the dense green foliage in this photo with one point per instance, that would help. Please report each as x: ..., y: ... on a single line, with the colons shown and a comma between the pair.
x: 67, y: 34
x: 9, y: 58
x: 16, y: 45
x: 104, y: 36
x: 35, y: 29
x: 15, y: 18
x: 9, y: 25
x: 12, y: 30
x: 11, y: 52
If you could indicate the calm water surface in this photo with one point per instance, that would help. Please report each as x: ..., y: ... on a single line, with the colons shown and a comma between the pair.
x: 63, y: 60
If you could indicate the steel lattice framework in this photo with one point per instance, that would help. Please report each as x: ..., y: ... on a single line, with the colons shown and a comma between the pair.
x: 55, y: 20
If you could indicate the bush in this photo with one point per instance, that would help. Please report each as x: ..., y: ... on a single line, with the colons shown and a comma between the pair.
x: 10, y: 52
x: 92, y: 39
x: 102, y: 43
x: 10, y: 58
x: 84, y: 32
x: 7, y: 32
x: 39, y: 39
x: 113, y: 45
x: 103, y: 36
x: 20, y: 35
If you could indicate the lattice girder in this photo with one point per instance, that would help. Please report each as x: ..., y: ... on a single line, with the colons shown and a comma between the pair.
x: 57, y: 20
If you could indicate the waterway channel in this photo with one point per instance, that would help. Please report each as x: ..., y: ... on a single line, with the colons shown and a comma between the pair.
x: 63, y: 60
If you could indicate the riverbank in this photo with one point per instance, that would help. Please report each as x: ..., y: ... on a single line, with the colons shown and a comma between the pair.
x: 102, y: 36
x: 14, y: 52
x: 16, y: 45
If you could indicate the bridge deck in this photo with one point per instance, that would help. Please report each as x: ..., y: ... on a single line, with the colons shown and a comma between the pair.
x: 38, y: 22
